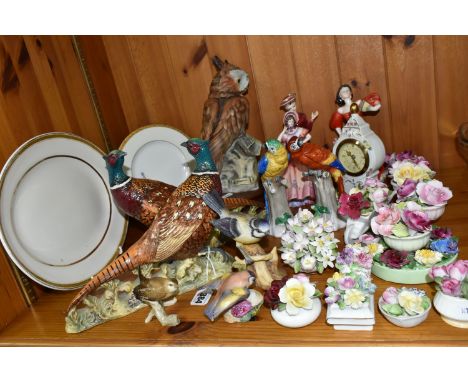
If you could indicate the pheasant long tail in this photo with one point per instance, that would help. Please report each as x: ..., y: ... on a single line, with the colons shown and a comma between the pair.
x: 124, y: 263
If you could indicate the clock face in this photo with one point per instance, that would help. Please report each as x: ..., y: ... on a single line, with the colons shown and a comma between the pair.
x: 353, y: 156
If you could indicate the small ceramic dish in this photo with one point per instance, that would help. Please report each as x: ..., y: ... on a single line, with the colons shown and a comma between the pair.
x: 409, y: 243
x: 404, y: 321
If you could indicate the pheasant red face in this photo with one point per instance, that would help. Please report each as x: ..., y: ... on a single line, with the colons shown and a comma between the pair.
x: 112, y: 159
x: 193, y: 148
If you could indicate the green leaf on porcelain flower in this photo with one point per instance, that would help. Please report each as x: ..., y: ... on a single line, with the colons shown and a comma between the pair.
x: 319, y: 210
x: 312, y: 249
x: 297, y: 266
x: 400, y: 230
x: 341, y: 304
x: 464, y: 289
x: 281, y: 306
x: 393, y: 309
x: 297, y: 229
x: 438, y: 280
x: 426, y: 302
x: 320, y: 267
x: 317, y: 293
x: 300, y: 254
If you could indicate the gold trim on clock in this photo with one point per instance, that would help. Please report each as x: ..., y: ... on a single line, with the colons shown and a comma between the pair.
x: 364, y: 150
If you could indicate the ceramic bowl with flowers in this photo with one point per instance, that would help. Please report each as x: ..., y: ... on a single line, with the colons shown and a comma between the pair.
x: 413, y: 180
x: 309, y: 244
x: 403, y: 226
x: 294, y: 301
x: 451, y: 299
x: 412, y: 267
x: 404, y: 307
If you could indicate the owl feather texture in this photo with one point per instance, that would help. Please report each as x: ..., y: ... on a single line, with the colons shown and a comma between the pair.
x: 226, y: 111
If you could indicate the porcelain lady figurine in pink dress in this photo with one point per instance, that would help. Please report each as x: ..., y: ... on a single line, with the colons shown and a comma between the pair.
x: 300, y: 191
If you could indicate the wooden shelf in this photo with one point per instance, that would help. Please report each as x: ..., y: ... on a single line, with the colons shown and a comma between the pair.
x: 43, y: 324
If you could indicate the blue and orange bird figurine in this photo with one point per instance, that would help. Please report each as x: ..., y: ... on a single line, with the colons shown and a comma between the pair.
x: 230, y: 290
x: 181, y: 228
x: 141, y: 199
x: 317, y: 157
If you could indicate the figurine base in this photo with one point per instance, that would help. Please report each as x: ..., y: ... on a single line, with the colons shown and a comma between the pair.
x: 352, y: 319
x: 304, y: 318
x: 406, y: 276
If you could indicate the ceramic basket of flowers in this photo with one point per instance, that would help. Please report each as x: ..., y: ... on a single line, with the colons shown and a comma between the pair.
x: 405, y: 307
x: 349, y: 292
x: 451, y: 299
x: 412, y: 267
x: 309, y: 244
x: 294, y: 301
x: 359, y: 206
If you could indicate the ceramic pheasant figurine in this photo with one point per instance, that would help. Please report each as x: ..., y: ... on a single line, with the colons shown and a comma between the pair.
x: 140, y: 199
x: 181, y: 228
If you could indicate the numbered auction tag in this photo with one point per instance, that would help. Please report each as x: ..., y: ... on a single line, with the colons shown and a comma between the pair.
x: 201, y: 297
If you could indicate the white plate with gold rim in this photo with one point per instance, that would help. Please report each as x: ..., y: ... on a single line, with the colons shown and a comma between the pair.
x: 58, y: 222
x: 154, y: 152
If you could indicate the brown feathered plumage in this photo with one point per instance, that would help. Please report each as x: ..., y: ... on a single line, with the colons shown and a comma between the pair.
x: 226, y: 111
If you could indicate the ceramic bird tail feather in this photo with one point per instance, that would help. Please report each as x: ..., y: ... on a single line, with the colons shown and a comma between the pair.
x: 242, y: 227
x: 181, y: 229
x: 317, y: 157
x: 233, y: 289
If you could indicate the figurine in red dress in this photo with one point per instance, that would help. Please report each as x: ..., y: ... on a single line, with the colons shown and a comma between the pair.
x: 300, y: 191
x: 344, y: 99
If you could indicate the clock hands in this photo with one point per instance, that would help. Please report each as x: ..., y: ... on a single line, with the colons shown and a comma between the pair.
x: 352, y: 157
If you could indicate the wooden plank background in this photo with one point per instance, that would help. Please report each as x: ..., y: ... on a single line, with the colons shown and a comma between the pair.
x: 139, y: 80
x: 165, y: 79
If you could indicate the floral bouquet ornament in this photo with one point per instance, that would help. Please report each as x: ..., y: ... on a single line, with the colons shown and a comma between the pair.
x: 349, y: 293
x: 359, y: 206
x: 309, y: 244
x: 412, y: 267
x: 451, y: 299
x: 294, y: 301
x: 413, y: 180
x: 404, y: 307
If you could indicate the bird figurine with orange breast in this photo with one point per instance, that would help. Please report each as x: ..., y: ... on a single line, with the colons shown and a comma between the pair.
x: 140, y: 199
x: 226, y: 111
x: 181, y: 228
x: 316, y: 157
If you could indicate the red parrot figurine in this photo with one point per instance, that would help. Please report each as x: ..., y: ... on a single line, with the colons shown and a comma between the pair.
x: 316, y: 157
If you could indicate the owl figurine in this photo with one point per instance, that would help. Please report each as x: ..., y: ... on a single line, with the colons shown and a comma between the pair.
x: 226, y: 111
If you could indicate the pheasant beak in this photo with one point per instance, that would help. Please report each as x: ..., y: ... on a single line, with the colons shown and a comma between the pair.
x: 184, y: 144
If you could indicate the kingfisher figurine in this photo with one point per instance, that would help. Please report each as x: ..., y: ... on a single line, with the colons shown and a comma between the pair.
x: 181, y: 229
x: 271, y: 167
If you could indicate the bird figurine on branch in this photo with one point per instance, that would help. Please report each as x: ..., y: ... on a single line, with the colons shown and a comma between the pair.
x: 226, y: 111
x: 271, y: 168
x: 181, y: 228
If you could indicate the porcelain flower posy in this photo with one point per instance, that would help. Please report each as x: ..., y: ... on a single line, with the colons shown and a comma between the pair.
x: 309, y: 244
x: 296, y: 293
x: 452, y: 279
x: 404, y: 301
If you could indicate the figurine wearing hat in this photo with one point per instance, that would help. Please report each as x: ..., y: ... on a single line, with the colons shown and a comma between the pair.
x: 300, y: 191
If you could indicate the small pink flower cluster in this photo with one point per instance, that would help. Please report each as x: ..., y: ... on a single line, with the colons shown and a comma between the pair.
x: 452, y: 279
x: 410, y: 220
